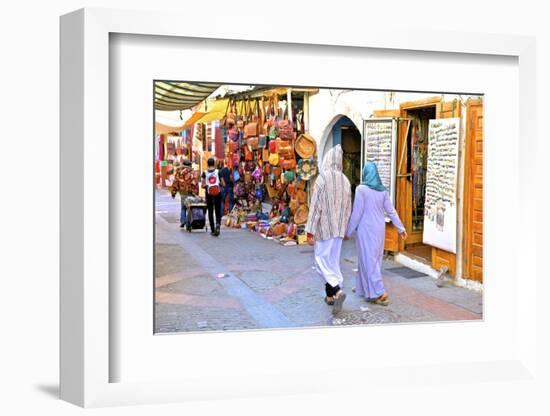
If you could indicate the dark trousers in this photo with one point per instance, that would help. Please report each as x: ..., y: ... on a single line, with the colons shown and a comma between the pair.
x: 214, y: 205
x: 227, y: 192
x: 331, y: 291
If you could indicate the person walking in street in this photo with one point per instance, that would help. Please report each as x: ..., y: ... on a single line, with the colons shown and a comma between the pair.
x: 226, y: 177
x: 372, y: 204
x: 329, y: 213
x: 186, y: 183
x: 210, y: 181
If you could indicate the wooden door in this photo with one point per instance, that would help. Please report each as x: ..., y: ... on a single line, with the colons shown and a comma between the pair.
x: 473, y: 192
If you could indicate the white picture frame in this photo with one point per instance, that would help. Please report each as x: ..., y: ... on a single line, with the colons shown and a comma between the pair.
x: 85, y: 222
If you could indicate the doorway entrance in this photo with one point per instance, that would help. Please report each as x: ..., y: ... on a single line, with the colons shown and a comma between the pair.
x: 345, y: 133
x: 351, y: 146
x: 416, y: 151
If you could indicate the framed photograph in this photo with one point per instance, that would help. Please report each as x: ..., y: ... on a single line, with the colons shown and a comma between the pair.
x: 229, y: 227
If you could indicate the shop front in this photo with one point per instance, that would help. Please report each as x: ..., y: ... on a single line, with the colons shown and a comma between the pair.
x: 429, y: 153
x: 437, y: 162
x: 260, y: 137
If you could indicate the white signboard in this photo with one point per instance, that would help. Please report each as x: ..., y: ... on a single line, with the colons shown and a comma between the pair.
x: 380, y: 137
x: 440, y: 217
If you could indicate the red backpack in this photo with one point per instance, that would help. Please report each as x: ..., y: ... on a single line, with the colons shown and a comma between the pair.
x: 212, y: 183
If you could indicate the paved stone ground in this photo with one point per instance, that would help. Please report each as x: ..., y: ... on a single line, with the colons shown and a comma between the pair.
x: 266, y: 285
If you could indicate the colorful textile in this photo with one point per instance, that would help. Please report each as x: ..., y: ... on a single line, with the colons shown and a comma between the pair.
x: 185, y: 182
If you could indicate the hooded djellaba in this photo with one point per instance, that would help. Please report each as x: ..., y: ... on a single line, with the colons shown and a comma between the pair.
x: 330, y: 206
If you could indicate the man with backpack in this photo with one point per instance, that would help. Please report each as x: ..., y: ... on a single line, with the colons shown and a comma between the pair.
x: 226, y: 177
x: 185, y: 182
x: 210, y: 181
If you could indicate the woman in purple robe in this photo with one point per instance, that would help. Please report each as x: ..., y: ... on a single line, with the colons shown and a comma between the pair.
x: 372, y: 204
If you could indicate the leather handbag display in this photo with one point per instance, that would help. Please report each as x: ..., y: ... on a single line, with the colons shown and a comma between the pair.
x: 289, y: 176
x: 262, y: 141
x: 273, y: 146
x: 285, y: 129
x: 248, y: 155
x: 285, y: 149
x: 233, y: 146
x: 252, y: 142
x: 251, y: 129
x: 301, y: 196
x: 293, y: 205
x: 288, y: 164
x: 274, y: 159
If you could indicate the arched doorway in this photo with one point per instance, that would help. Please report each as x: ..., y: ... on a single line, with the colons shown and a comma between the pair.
x: 345, y: 133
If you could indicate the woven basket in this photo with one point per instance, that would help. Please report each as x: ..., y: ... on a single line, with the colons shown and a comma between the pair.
x: 300, y: 217
x: 305, y: 146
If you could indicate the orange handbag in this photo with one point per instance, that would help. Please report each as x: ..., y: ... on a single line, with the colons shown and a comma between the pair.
x: 233, y: 146
x: 289, y: 164
x: 248, y: 155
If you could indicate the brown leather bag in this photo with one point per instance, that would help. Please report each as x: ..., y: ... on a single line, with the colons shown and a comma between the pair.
x: 252, y: 142
x: 285, y: 129
x: 248, y: 155
x: 285, y: 149
x: 250, y: 130
x: 233, y: 146
x: 293, y: 205
x: 289, y: 164
x: 291, y: 189
x: 301, y: 196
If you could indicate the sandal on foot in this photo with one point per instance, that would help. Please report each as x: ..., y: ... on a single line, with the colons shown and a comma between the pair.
x: 329, y: 300
x: 382, y: 300
x: 338, y: 302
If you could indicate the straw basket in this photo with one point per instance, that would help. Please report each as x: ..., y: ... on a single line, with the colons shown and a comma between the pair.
x: 305, y: 146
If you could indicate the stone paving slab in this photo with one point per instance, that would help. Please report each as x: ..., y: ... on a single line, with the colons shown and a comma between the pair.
x: 266, y: 285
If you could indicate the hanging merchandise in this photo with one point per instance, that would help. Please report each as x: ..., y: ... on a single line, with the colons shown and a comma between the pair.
x: 305, y: 146
x: 274, y: 159
x: 262, y: 141
x: 289, y: 176
x: 307, y: 168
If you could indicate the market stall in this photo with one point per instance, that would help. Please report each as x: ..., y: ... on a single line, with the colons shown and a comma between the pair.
x: 272, y: 159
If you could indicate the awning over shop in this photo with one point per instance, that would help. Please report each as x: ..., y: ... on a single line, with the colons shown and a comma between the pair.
x: 215, y: 110
x: 165, y: 129
x: 193, y: 119
x: 170, y: 96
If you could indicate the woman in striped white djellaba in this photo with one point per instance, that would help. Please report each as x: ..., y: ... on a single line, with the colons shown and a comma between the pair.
x: 329, y: 212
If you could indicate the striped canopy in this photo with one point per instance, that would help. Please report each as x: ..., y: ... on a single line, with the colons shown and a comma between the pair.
x: 171, y: 96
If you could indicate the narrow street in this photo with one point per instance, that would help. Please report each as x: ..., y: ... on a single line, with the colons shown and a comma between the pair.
x: 240, y: 281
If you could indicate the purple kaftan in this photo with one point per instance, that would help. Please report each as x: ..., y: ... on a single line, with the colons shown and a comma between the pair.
x: 368, y: 218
